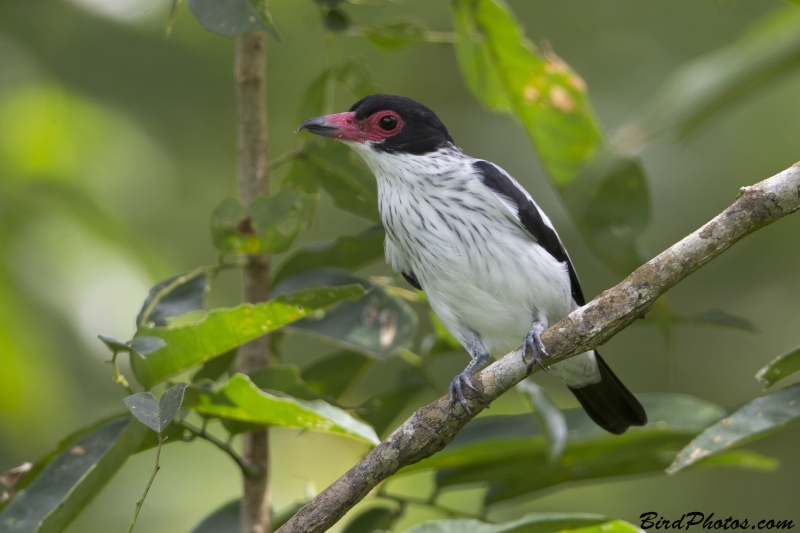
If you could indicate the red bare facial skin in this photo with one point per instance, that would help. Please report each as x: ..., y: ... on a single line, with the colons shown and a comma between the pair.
x: 345, y: 127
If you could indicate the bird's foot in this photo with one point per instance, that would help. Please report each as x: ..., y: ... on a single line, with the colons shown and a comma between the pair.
x: 457, y: 389
x: 533, y: 344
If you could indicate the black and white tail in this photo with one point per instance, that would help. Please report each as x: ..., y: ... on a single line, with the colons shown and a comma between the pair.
x: 609, y: 403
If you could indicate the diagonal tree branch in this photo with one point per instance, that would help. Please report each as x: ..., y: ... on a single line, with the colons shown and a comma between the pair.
x: 432, y: 427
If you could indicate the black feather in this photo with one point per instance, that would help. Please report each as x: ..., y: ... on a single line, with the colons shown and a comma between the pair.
x: 531, y: 218
x: 422, y: 133
x: 412, y: 280
x: 609, y: 403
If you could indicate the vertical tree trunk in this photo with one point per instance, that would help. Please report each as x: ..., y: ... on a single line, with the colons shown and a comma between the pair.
x: 253, y: 181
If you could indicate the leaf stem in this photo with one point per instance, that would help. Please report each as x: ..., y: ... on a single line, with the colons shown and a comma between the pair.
x: 118, y: 377
x: 149, y: 483
x: 248, y: 469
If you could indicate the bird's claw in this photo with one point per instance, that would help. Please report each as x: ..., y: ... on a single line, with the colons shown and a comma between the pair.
x: 457, y: 391
x: 533, y: 344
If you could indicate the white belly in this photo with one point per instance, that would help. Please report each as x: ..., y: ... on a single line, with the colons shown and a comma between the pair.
x: 498, y: 293
x: 482, y: 273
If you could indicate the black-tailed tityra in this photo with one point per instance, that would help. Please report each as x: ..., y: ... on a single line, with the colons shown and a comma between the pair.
x: 489, y: 260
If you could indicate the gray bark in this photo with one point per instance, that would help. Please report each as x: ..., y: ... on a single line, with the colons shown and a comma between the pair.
x: 253, y: 180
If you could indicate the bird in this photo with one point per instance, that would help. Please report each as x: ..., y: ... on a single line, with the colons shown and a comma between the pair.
x: 469, y: 236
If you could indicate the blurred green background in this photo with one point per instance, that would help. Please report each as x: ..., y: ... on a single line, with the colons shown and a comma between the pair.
x: 116, y: 143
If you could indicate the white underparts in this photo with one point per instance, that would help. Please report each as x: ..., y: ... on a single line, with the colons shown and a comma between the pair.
x: 481, y: 271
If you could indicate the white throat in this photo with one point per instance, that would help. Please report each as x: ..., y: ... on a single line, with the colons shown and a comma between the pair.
x: 403, y: 168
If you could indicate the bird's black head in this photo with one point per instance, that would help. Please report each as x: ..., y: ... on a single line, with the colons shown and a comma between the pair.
x: 394, y: 124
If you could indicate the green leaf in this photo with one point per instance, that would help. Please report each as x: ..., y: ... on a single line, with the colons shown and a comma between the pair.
x: 144, y: 406
x: 224, y: 519
x: 114, y: 345
x: 705, y: 86
x: 267, y: 225
x: 384, y: 408
x: 215, y: 368
x: 170, y: 404
x: 69, y: 482
x: 757, y: 419
x: 396, y: 35
x: 141, y: 346
x: 332, y: 166
x: 477, y: 63
x: 516, y: 487
x: 232, y: 18
x: 336, y: 20
x: 11, y: 478
x: 506, y: 72
x: 262, y: 10
x: 302, y: 174
x: 146, y: 345
x: 610, y: 202
x: 533, y: 523
x: 333, y: 375
x: 375, y: 518
x: 350, y: 252
x: 156, y: 414
x: 509, y: 453
x: 285, y: 379
x: 149, y: 441
x: 779, y: 368
x: 549, y: 417
x: 241, y: 400
x: 62, y: 445
x: 377, y: 324
x: 184, y: 293
x: 741, y: 459
x: 222, y: 330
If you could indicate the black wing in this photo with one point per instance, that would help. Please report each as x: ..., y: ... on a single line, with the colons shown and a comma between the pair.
x: 530, y: 217
x: 412, y: 279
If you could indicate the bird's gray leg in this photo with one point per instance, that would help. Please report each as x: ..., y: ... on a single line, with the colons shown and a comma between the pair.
x: 480, y: 357
x: 533, y: 344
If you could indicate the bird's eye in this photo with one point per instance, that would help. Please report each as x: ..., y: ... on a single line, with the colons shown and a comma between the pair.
x: 388, y: 122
